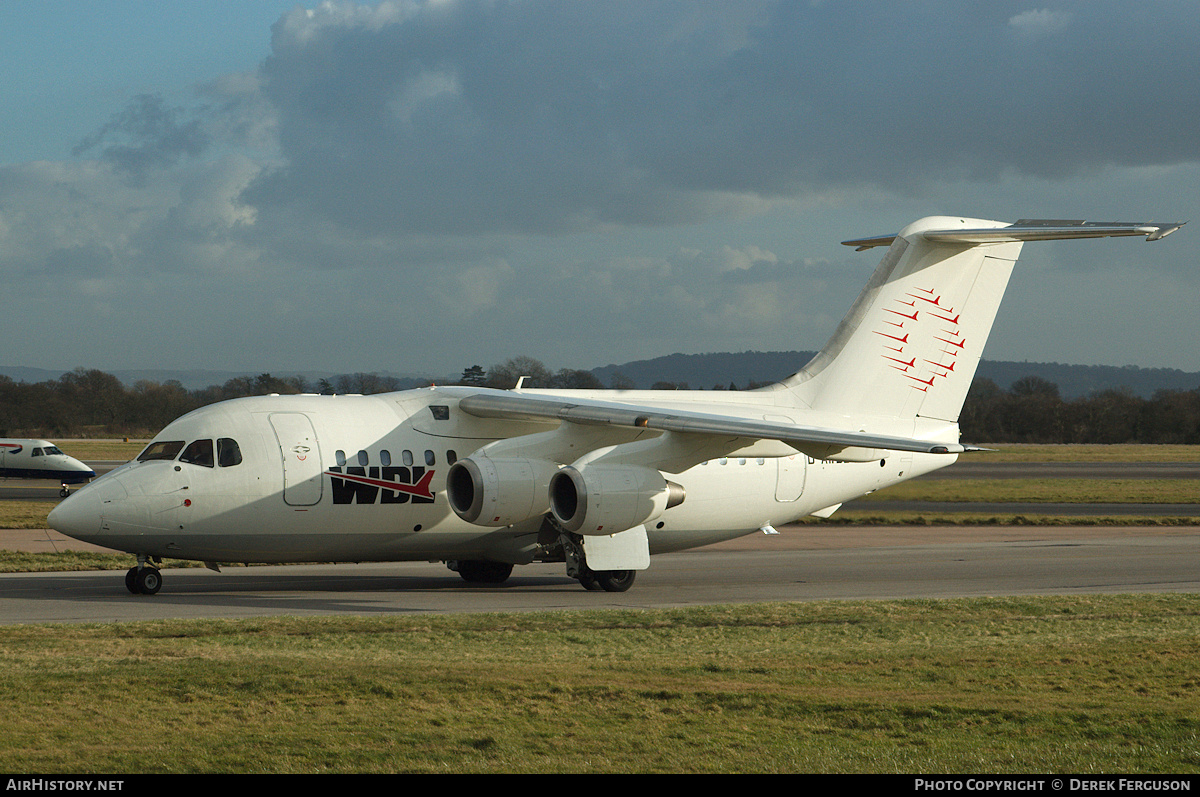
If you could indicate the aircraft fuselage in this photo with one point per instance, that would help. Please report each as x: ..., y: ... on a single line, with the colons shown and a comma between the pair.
x: 363, y: 478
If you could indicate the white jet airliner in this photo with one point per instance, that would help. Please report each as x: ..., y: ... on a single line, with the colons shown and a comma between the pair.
x: 487, y: 479
x: 40, y: 459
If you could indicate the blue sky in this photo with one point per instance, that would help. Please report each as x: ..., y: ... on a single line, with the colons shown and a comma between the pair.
x: 418, y: 187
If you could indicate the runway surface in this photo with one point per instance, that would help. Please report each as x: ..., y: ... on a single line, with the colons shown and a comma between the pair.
x: 799, y: 564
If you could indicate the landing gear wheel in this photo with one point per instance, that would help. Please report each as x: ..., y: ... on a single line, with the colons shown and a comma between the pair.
x: 146, y: 580
x: 589, y: 580
x: 479, y: 571
x: 616, y: 580
x: 131, y: 580
x: 64, y: 492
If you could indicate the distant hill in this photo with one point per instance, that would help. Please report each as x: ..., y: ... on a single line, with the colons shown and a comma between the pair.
x: 706, y: 371
x: 1081, y: 380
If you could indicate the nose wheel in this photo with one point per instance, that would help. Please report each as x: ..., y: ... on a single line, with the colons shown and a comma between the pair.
x: 143, y: 580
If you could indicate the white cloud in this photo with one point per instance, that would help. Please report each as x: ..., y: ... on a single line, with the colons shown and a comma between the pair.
x: 1040, y: 22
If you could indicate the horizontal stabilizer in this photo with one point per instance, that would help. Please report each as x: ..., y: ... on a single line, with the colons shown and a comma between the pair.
x: 1033, y: 230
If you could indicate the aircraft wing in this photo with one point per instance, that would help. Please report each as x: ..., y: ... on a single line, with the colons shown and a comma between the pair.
x: 1034, y: 230
x: 528, y: 406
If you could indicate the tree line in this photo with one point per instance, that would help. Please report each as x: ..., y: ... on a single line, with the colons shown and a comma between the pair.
x: 92, y: 403
x: 1032, y: 411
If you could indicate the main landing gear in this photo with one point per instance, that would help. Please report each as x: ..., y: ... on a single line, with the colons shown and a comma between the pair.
x: 145, y: 579
x: 479, y: 571
x: 607, y: 580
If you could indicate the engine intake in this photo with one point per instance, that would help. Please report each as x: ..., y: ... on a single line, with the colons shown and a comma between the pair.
x: 499, y: 492
x: 607, y: 499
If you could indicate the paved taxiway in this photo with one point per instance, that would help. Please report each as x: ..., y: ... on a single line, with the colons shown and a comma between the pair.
x: 800, y: 564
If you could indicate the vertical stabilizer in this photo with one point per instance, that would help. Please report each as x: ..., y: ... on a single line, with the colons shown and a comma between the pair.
x: 910, y: 344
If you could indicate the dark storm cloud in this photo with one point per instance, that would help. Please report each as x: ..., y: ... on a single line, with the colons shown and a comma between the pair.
x: 147, y: 134
x: 552, y: 117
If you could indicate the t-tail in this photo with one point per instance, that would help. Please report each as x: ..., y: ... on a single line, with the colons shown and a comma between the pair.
x: 910, y: 344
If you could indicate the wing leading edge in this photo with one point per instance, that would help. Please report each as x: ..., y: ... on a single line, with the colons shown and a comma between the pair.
x: 815, y: 441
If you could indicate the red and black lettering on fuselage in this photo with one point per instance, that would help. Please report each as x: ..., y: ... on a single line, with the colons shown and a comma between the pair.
x: 386, y: 485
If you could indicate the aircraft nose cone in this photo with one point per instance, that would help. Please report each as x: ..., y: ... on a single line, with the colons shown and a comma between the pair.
x: 78, y: 516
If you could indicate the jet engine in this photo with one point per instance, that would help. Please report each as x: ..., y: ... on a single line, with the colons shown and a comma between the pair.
x: 607, y: 499
x: 498, y: 492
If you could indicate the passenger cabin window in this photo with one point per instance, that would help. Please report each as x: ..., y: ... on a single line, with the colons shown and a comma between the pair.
x: 430, y: 460
x: 385, y: 458
x: 229, y: 453
x: 163, y: 449
x: 199, y: 452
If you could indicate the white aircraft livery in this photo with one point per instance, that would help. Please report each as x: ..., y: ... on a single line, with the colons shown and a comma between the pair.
x: 599, y: 480
x: 41, y: 459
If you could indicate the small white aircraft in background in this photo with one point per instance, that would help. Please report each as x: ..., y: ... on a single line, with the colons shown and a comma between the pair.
x: 600, y: 480
x: 41, y: 459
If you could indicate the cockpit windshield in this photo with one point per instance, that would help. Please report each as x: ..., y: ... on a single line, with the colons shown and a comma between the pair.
x: 161, y: 449
x: 226, y: 453
x: 199, y: 452
x: 229, y: 453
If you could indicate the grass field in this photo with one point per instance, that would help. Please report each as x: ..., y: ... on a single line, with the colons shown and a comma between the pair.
x: 91, y: 450
x: 1067, y: 685
x: 1026, y: 452
x: 1069, y: 491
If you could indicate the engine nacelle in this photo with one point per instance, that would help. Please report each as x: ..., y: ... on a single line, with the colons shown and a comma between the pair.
x: 499, y: 492
x: 607, y: 499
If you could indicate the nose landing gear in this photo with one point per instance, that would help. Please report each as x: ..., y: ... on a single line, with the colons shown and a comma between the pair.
x: 145, y: 579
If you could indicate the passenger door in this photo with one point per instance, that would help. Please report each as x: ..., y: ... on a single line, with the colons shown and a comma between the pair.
x: 301, y: 456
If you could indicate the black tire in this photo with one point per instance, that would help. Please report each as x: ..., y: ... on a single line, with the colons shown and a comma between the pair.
x: 148, y: 580
x: 480, y: 571
x: 616, y: 580
x: 131, y: 580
